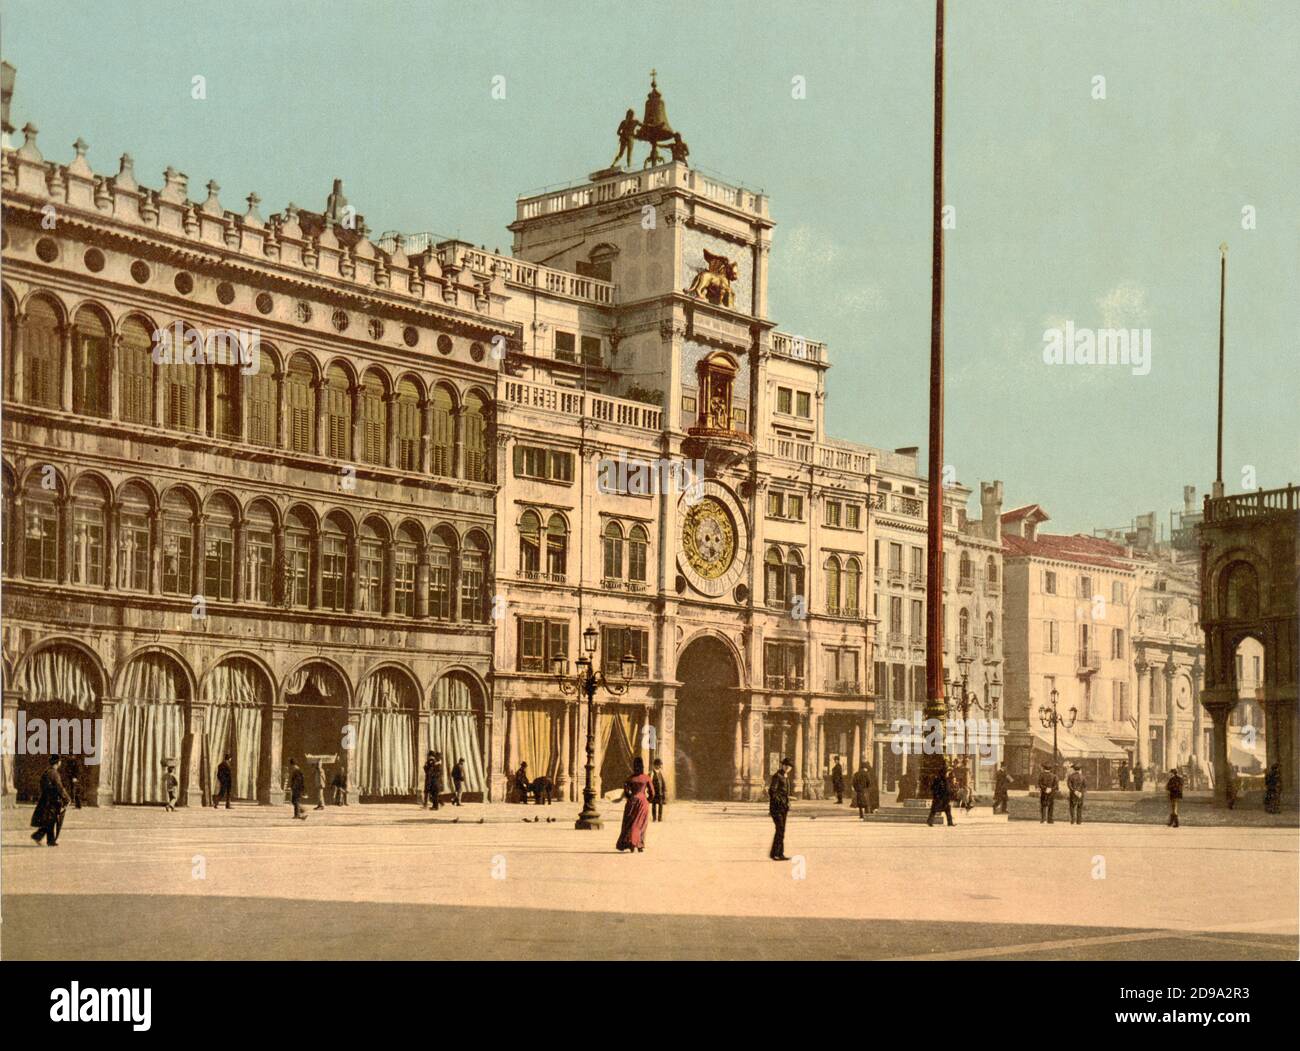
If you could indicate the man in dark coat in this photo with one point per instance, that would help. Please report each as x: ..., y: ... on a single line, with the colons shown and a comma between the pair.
x: 862, y: 791
x: 47, y: 818
x: 458, y: 776
x: 297, y: 787
x: 340, y: 786
x: 1078, y: 786
x: 1123, y: 776
x: 72, y: 776
x: 1048, y: 786
x: 1139, y: 777
x: 778, y: 806
x: 1273, y: 789
x: 1232, y: 787
x: 1001, y: 789
x: 940, y: 797
x: 1174, y: 786
x: 430, y: 792
x: 523, y: 784
x: 660, y: 787
x: 837, y: 781
x: 224, y: 781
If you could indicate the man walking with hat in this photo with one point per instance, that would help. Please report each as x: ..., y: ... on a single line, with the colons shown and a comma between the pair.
x: 778, y: 805
x: 1078, y: 786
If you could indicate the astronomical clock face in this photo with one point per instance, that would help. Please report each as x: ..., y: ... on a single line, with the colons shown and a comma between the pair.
x: 713, y: 540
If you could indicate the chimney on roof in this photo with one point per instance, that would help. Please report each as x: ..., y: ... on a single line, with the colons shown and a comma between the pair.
x: 991, y: 510
x: 1030, y: 527
x: 1189, y: 499
x: 1146, y: 532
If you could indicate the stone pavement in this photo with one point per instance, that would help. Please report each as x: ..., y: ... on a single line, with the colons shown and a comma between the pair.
x: 396, y: 882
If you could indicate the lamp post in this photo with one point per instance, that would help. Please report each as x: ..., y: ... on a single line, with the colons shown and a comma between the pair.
x: 966, y: 698
x: 1051, y: 717
x: 584, y: 682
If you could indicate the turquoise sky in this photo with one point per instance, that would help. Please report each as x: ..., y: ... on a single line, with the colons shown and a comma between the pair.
x: 1104, y: 213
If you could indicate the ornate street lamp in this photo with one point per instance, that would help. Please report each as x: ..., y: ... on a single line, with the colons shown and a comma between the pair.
x: 1051, y: 717
x: 584, y: 682
x: 963, y: 698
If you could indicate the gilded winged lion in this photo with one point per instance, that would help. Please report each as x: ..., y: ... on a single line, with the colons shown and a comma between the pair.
x: 713, y: 282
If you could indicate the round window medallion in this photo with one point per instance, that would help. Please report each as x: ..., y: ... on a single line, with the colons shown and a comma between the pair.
x: 265, y: 303
x: 46, y: 250
x: 184, y: 283
x: 444, y: 344
x: 340, y: 320
x: 410, y: 336
x: 139, y: 272
x: 226, y: 292
x: 476, y: 351
x: 94, y: 260
x: 376, y: 328
x: 303, y: 310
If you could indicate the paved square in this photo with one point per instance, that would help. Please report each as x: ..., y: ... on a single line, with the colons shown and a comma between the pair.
x: 396, y: 882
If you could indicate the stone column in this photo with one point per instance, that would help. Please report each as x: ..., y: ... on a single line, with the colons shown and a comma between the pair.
x: 65, y: 367
x: 103, y: 794
x: 1171, y: 719
x: 458, y: 447
x: 1198, y: 731
x: 14, y: 383
x: 490, y: 762
x: 115, y: 376
x: 1143, y: 743
x: 800, y: 754
x: 566, y: 750
x: 738, y: 752
x: 357, y: 439
x: 855, y: 760
x: 1219, y: 703
x: 270, y: 790
x: 194, y: 789
x: 352, y: 731
x: 8, y: 787
x: 426, y: 436
x: 318, y: 390
x: 390, y: 429
x: 667, y: 746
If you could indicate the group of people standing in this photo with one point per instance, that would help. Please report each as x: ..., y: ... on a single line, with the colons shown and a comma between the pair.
x: 865, y: 795
x: 434, y: 779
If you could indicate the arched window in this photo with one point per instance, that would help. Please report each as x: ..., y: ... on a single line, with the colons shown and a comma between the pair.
x: 965, y: 572
x: 338, y: 413
x: 88, y: 532
x: 259, y: 553
x: 473, y: 562
x: 9, y: 335
x: 440, y: 591
x: 1240, y: 591
x: 774, y: 578
x: 530, y: 543
x: 557, y: 547
x: 135, y: 374
x: 334, y: 566
x: 444, y: 433
x: 613, y: 550
x: 370, y: 571
x: 92, y: 362
x: 178, y: 544
x: 374, y: 419
x: 794, y: 577
x: 264, y: 399
x: 991, y: 570
x: 300, y: 405
x: 219, y: 551
x: 297, y: 560
x: 41, y: 534
x: 963, y: 628
x: 478, y: 467
x: 990, y: 630
x: 182, y: 383
x: 831, y: 567
x: 42, y: 355
x: 852, y: 586
x: 406, y: 555
x: 638, y: 543
x: 407, y: 425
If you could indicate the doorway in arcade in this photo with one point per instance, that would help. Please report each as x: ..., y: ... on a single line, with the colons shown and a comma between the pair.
x: 313, y: 723
x: 707, y: 711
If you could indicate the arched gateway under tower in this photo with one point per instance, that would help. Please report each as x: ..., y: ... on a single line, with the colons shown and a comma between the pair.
x: 705, y: 737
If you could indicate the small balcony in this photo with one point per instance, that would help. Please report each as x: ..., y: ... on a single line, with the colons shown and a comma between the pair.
x: 966, y: 582
x: 916, y: 581
x: 721, y: 447
x: 897, y: 578
x: 897, y: 640
x: 1087, y: 662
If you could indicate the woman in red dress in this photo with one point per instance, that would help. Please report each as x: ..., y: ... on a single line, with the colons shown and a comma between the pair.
x: 638, y: 791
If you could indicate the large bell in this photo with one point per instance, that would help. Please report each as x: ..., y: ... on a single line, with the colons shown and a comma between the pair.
x: 654, y: 125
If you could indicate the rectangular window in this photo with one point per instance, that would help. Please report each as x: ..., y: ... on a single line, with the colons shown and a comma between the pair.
x: 565, y: 346
x: 783, y: 664
x: 404, y: 568
x: 133, y: 552
x: 784, y: 400
x: 896, y: 558
x: 689, y: 405
x: 616, y: 641
x: 853, y: 516
x: 219, y: 563
x: 794, y: 507
x: 1085, y: 587
x: 440, y: 584
x: 591, y: 351
x: 918, y: 562
x: 547, y: 465
x: 1117, y: 644
x: 1117, y: 592
x: 803, y: 404
x: 775, y: 503
x: 259, y: 557
x: 540, y: 641
x: 895, y: 615
x: 87, y: 546
x: 1049, y: 582
x: 471, y: 588
x: 298, y: 564
x: 177, y: 552
x: 918, y: 618
x: 833, y: 512
x: 371, y: 583
x: 1051, y: 637
x: 334, y: 573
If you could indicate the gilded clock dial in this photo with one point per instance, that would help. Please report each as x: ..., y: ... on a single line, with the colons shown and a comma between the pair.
x: 709, y: 538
